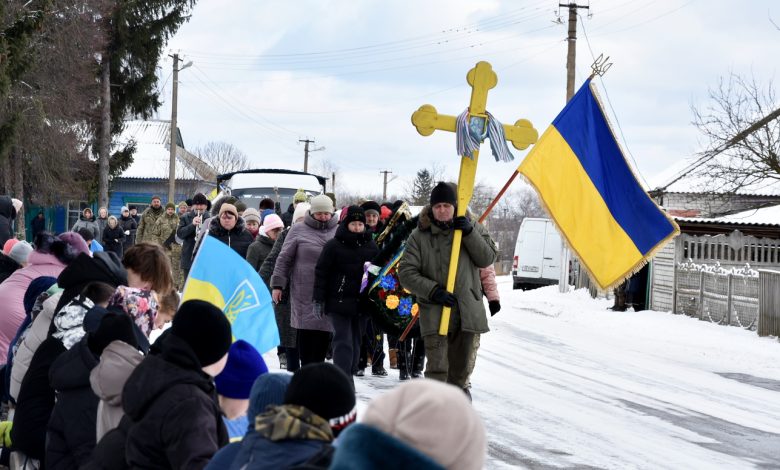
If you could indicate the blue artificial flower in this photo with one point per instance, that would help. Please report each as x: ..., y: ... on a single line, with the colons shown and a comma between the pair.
x: 405, y: 306
x: 388, y: 282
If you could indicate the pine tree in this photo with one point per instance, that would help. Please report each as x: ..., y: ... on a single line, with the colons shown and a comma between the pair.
x: 421, y: 187
x: 137, y: 33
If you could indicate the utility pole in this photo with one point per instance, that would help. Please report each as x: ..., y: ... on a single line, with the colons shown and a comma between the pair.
x: 571, y: 61
x: 333, y: 182
x: 306, y: 154
x: 571, y: 55
x: 384, y: 187
x: 174, y: 134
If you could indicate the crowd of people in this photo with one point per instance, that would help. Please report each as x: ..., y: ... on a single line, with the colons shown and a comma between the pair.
x: 84, y: 387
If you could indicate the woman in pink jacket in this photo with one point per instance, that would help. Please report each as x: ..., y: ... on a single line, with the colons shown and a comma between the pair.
x: 50, y: 257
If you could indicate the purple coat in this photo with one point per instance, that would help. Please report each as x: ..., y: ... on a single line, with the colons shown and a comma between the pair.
x: 12, y: 294
x: 296, y: 264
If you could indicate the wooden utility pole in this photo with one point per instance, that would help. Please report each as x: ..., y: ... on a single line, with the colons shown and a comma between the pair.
x: 571, y: 62
x: 174, y: 136
x: 104, y: 139
x: 384, y: 186
x: 571, y: 55
x: 306, y: 143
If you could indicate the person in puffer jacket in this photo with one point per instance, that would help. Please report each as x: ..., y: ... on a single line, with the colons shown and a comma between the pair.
x: 170, y: 398
x: 70, y: 435
x: 228, y: 228
x: 487, y: 277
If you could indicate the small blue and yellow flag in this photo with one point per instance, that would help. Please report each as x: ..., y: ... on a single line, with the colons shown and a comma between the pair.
x: 220, y: 276
x: 592, y: 195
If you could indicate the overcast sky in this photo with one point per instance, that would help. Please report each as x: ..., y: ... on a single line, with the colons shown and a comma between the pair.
x: 349, y: 74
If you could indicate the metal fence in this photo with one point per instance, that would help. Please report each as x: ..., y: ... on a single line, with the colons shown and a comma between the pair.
x: 769, y: 303
x: 723, y: 296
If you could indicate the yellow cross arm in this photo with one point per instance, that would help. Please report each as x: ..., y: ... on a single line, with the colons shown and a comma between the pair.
x: 426, y: 120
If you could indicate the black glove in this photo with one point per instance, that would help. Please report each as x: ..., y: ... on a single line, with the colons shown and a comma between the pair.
x: 494, y: 306
x: 442, y: 297
x: 464, y: 224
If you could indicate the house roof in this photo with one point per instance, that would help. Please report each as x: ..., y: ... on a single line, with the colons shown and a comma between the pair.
x: 688, y: 176
x: 765, y: 216
x: 151, y: 158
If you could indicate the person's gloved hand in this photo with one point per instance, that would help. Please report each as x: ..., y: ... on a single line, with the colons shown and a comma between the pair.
x: 462, y: 223
x: 127, y: 232
x: 5, y: 433
x: 442, y: 297
x: 494, y: 306
x: 319, y: 309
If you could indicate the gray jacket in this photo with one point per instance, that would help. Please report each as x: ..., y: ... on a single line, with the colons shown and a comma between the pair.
x: 107, y: 379
x: 295, y: 265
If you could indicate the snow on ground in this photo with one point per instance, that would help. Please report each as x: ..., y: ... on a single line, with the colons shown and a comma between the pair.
x: 562, y: 382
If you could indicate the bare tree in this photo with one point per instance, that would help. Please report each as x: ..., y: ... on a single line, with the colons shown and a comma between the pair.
x: 327, y: 168
x: 742, y: 135
x: 223, y: 157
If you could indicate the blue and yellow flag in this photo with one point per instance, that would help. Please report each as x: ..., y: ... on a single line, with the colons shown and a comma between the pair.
x: 220, y: 276
x: 592, y: 195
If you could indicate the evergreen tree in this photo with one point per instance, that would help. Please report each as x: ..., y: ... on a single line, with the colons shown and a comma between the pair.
x: 137, y: 32
x: 422, y: 187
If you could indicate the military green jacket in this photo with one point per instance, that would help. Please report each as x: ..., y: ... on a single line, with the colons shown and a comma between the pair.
x: 145, y: 231
x: 164, y: 227
x: 425, y: 265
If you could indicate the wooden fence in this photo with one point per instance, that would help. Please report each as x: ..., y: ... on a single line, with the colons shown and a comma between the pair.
x: 769, y: 303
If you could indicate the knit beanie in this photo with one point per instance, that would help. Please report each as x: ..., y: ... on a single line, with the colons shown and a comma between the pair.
x: 20, y: 252
x: 182, y: 204
x: 435, y: 418
x: 124, y: 208
x: 244, y: 365
x: 38, y: 286
x: 326, y: 391
x: 385, y: 213
x: 268, y: 389
x: 112, y: 326
x: 9, y: 244
x: 300, y: 211
x: 65, y: 246
x: 371, y: 206
x: 300, y: 196
x: 443, y: 192
x: 228, y: 208
x: 355, y: 214
x: 170, y: 205
x: 199, y: 198
x: 266, y: 203
x: 141, y: 305
x: 251, y: 215
x: 204, y: 328
x: 321, y: 203
x: 271, y: 222
x: 156, y: 197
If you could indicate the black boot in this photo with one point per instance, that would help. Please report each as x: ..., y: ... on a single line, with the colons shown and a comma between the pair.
x: 403, y: 360
x: 418, y: 359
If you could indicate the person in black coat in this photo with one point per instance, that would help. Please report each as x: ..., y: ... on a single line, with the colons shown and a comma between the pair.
x: 188, y: 229
x: 230, y: 229
x: 70, y: 436
x: 7, y: 266
x: 114, y: 237
x: 170, y: 397
x: 129, y: 226
x: 36, y: 397
x: 38, y: 224
x: 7, y: 216
x: 338, y: 276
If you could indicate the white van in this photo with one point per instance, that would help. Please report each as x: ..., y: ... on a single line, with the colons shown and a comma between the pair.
x: 537, y: 260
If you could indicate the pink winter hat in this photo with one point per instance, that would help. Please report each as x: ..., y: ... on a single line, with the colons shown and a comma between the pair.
x: 9, y: 244
x: 271, y: 222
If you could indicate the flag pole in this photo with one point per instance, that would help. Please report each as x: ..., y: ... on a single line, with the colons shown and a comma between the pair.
x: 497, y: 198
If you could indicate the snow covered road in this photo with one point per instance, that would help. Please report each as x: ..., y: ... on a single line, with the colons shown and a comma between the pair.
x: 562, y: 382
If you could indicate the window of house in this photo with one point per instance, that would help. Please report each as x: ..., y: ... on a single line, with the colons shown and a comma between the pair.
x: 74, y: 212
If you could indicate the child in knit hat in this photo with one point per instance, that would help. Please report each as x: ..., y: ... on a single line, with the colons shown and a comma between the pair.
x: 170, y: 397
x: 234, y: 383
x: 318, y: 404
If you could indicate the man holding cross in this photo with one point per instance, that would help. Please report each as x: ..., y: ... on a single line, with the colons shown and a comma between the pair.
x: 423, y: 271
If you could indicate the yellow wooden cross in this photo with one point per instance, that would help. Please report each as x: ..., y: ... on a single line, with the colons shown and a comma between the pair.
x: 522, y: 134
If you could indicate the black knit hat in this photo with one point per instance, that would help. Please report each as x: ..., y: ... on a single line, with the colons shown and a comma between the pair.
x: 371, y: 206
x: 112, y: 326
x: 205, y: 328
x: 355, y: 214
x: 443, y: 192
x: 326, y: 391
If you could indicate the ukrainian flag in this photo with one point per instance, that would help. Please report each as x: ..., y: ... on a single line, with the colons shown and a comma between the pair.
x: 220, y: 276
x: 592, y: 195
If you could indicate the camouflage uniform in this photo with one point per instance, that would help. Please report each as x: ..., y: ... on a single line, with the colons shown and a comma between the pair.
x: 163, y: 234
